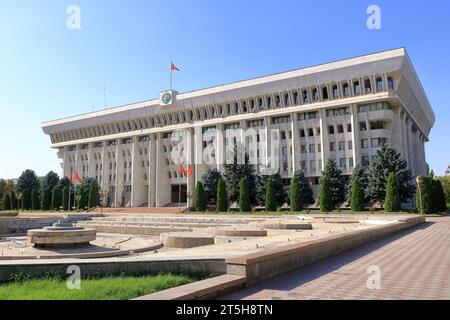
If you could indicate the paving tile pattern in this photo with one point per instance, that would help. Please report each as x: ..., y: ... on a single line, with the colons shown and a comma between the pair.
x: 413, y: 264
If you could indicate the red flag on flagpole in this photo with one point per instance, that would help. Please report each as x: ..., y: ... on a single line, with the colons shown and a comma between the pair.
x: 70, y: 178
x: 182, y: 172
x: 77, y: 177
x: 173, y: 67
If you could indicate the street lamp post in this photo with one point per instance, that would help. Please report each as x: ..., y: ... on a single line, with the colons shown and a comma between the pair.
x: 19, y: 197
x: 419, y: 181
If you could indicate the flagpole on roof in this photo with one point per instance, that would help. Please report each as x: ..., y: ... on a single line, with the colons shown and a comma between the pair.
x: 171, y: 72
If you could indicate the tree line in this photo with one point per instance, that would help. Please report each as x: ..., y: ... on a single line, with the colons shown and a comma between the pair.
x: 388, y: 183
x: 49, y: 193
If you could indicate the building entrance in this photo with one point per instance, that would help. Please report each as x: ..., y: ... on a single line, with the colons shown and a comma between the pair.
x: 179, y: 195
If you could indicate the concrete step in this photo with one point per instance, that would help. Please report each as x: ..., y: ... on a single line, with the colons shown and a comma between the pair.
x: 139, y: 210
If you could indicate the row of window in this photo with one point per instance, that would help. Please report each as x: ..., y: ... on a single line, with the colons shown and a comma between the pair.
x: 271, y: 101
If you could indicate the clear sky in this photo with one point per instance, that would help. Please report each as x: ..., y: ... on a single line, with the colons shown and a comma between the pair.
x: 48, y: 71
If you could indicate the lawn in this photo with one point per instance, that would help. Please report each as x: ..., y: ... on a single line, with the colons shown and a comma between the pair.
x: 109, y: 288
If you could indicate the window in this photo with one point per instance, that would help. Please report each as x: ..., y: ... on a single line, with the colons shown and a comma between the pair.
x: 310, y: 132
x: 346, y: 90
x: 376, y: 125
x: 325, y: 93
x: 332, y: 146
x: 330, y: 129
x: 295, y: 98
x: 312, y: 166
x: 364, y: 143
x: 390, y: 83
x: 368, y: 86
x: 349, y: 127
x: 341, y: 145
x: 379, y: 83
x: 350, y: 162
x: 315, y: 95
x: 312, y: 148
x: 302, y: 148
x: 356, y: 88
x: 318, y: 131
x: 342, y: 162
x: 335, y: 92
x: 305, y: 96
x: 302, y: 133
x: 340, y: 128
x: 319, y: 147
x: 350, y: 145
x: 362, y: 126
x: 365, y: 161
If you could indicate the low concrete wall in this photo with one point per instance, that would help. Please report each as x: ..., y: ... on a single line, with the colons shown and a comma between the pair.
x: 264, y: 265
x: 137, y: 230
x: 107, y: 267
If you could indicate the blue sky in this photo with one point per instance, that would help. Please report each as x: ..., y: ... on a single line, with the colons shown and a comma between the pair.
x: 48, y: 71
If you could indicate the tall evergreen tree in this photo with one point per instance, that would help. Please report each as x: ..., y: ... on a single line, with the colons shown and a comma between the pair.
x: 336, y: 182
x: 423, y: 196
x: 222, y: 202
x: 35, y: 205
x: 6, y: 201
x: 295, y: 195
x: 51, y: 180
x: 234, y: 172
x: 442, y: 201
x: 200, y: 199
x: 271, y: 200
x: 357, y: 174
x: 392, y: 201
x: 56, y: 199
x: 357, y: 202
x: 210, y: 180
x: 93, y: 200
x: 388, y: 160
x: 13, y: 199
x: 244, y: 196
x: 26, y: 200
x: 305, y: 188
x: 28, y: 181
x: 326, y: 199
x: 261, y: 186
x: 82, y: 196
x: 65, y: 199
x: 46, y: 199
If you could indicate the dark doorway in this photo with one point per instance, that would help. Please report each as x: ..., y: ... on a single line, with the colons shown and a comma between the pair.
x: 176, y: 197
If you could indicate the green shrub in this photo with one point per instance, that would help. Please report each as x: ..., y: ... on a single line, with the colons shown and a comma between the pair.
x: 46, y: 199
x: 200, y: 199
x: 13, y: 200
x: 295, y: 195
x: 56, y: 199
x: 392, y: 200
x: 222, y: 202
x: 93, y: 197
x: 65, y: 198
x: 26, y: 200
x: 244, y: 196
x: 271, y: 201
x: 35, y: 199
x: 6, y: 202
x: 357, y: 202
x: 326, y: 201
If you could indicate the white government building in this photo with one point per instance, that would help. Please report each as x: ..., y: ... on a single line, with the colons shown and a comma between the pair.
x: 341, y: 110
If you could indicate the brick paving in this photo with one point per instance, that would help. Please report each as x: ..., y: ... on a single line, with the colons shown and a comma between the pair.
x: 414, y: 265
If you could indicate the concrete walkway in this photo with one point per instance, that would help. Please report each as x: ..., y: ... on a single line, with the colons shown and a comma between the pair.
x: 413, y: 264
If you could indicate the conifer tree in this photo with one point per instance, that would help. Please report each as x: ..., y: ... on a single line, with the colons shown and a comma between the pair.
x: 200, y: 200
x: 271, y: 201
x: 295, y: 195
x: 244, y: 196
x: 222, y: 202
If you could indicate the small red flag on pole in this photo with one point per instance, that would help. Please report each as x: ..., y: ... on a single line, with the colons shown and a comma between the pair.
x: 77, y: 177
x: 172, y: 69
x: 70, y: 178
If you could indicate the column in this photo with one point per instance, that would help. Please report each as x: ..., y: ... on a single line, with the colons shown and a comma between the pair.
x: 355, y: 135
x: 295, y: 142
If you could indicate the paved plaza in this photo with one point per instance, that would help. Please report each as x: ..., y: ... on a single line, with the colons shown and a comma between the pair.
x: 414, y: 264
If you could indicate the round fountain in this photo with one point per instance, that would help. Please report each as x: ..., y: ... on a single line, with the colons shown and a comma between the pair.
x: 61, y: 235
